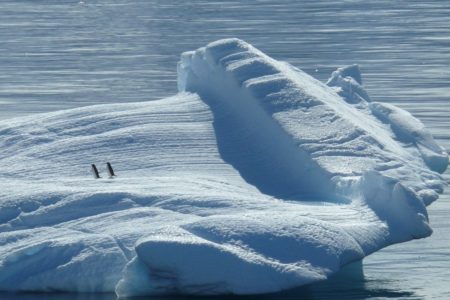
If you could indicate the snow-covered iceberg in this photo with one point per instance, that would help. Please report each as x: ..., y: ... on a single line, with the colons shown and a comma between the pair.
x: 255, y: 178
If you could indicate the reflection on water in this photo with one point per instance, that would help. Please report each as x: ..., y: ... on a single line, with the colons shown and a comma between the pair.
x: 57, y: 296
x: 349, y: 284
x: 58, y: 54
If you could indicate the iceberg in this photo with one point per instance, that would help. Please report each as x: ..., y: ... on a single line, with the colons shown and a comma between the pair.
x: 254, y: 178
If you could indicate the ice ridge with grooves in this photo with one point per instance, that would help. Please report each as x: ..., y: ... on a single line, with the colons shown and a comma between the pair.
x: 255, y: 178
x: 331, y: 146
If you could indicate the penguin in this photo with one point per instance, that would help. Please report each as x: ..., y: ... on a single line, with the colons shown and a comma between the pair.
x: 95, y: 171
x: 110, y: 170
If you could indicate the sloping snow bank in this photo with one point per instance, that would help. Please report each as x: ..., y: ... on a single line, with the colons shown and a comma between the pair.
x: 325, y: 145
x: 172, y: 220
x: 269, y: 181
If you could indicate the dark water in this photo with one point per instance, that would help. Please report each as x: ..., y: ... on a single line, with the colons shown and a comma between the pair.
x: 62, y: 54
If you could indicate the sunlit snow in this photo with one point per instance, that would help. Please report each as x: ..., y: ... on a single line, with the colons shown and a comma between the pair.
x: 255, y: 178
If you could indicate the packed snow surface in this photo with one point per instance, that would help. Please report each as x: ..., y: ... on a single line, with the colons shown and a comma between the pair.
x: 254, y: 178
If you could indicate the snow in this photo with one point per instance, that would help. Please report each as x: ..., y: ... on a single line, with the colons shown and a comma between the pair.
x: 254, y: 178
x: 348, y: 83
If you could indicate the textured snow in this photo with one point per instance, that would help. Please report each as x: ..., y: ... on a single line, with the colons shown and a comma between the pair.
x: 254, y: 178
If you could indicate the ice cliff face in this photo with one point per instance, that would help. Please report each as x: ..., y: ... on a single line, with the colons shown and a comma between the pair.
x: 255, y: 178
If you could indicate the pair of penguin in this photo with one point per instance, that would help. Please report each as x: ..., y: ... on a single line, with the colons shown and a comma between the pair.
x: 108, y: 168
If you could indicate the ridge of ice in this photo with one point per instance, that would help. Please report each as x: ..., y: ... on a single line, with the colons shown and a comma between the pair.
x: 264, y: 181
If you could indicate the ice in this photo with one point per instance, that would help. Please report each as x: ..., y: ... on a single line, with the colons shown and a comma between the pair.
x: 348, y: 84
x: 254, y: 178
x: 327, y: 143
x: 410, y: 130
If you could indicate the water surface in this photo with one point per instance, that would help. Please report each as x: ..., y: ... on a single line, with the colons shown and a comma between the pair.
x: 62, y: 54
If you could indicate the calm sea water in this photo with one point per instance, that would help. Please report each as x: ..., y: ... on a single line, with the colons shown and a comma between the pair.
x: 62, y: 54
